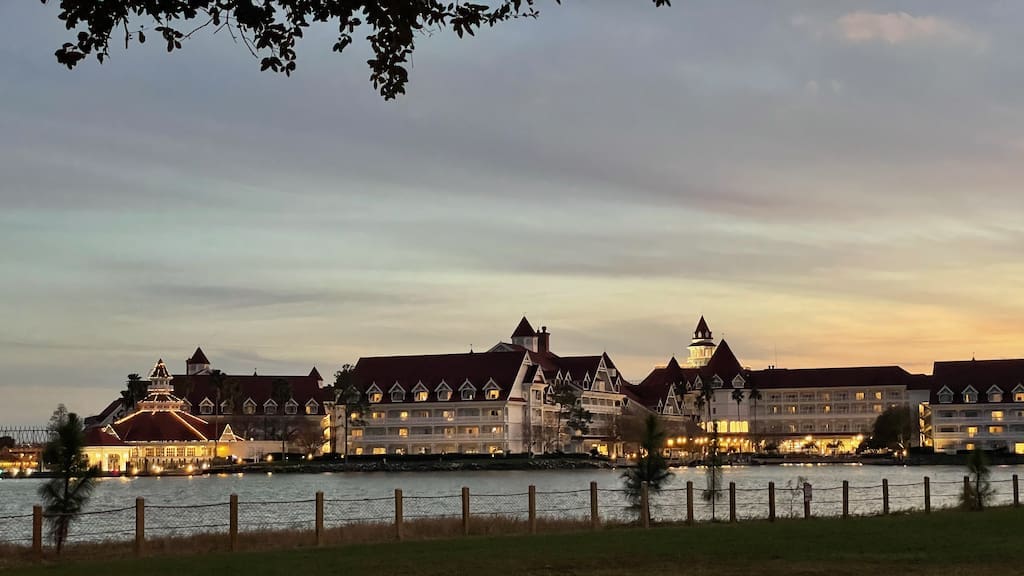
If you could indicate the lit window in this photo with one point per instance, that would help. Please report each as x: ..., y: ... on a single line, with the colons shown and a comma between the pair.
x: 448, y: 415
x: 403, y: 432
x: 969, y: 446
x: 403, y: 415
x: 970, y: 396
x: 357, y: 432
x: 379, y: 451
x: 377, y: 416
x: 376, y: 397
x: 468, y: 393
x: 1018, y: 396
x: 826, y: 409
x: 860, y: 396
x: 995, y: 429
x: 877, y: 408
x: 421, y: 396
x: 997, y: 415
x: 493, y: 394
x: 972, y: 431
x: 878, y: 395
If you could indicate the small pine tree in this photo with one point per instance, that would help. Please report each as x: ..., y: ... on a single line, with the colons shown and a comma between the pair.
x: 978, y: 492
x: 652, y: 467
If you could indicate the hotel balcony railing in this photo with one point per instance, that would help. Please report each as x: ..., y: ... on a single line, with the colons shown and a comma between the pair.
x: 433, y: 419
x: 418, y: 438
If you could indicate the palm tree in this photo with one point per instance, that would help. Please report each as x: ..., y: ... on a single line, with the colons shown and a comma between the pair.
x: 754, y: 395
x: 220, y: 388
x: 651, y: 467
x: 68, y: 491
x: 135, y: 390
x: 737, y: 397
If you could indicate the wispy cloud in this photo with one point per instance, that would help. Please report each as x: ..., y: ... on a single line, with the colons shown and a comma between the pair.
x: 904, y: 28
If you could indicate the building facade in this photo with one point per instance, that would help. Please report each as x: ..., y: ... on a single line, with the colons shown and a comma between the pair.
x: 975, y: 405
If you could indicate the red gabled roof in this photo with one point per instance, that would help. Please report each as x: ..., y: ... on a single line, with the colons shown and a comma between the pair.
x: 655, y: 387
x: 979, y: 374
x: 723, y: 363
x: 198, y: 357
x: 99, y: 436
x: 163, y: 426
x: 524, y: 329
x: 862, y: 376
x: 453, y: 369
x: 314, y: 373
x: 195, y: 387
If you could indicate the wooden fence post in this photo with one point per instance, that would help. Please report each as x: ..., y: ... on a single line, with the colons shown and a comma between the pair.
x: 771, y: 501
x: 233, y: 522
x: 807, y: 500
x: 927, y: 495
x: 533, y: 508
x: 465, y: 511
x: 846, y: 498
x: 689, y: 502
x: 319, y: 520
x: 140, y: 526
x: 1016, y: 492
x: 595, y: 519
x: 399, y: 514
x: 732, y: 501
x: 645, y: 506
x: 967, y: 485
x: 37, y: 530
x: 885, y: 496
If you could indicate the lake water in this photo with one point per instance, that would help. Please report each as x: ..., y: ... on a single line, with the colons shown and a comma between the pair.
x: 182, y: 505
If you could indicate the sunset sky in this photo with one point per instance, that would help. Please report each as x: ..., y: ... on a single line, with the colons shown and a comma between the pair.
x: 829, y: 183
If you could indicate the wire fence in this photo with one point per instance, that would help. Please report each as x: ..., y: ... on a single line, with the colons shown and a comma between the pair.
x: 593, y: 506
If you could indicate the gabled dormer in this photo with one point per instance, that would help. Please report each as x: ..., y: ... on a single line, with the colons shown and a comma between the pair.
x: 467, y: 391
x: 1018, y: 393
x: 491, y: 390
x: 374, y: 394
x: 738, y: 381
x: 716, y: 382
x: 945, y: 395
x: 291, y: 406
x: 249, y: 406
x: 396, y: 393
x: 994, y: 394
x: 443, y: 392
x: 970, y: 395
x: 312, y: 407
x: 270, y: 407
x: 420, y: 392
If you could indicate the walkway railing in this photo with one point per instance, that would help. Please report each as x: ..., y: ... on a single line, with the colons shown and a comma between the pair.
x: 324, y: 519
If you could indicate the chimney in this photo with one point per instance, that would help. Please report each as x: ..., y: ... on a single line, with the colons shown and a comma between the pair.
x: 543, y: 340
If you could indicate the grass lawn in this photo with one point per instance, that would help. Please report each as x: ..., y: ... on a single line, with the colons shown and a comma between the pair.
x: 946, y: 543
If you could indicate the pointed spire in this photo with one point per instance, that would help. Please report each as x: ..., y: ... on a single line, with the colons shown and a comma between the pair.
x: 314, y: 373
x: 702, y: 332
x: 198, y: 357
x: 524, y: 330
x: 159, y: 371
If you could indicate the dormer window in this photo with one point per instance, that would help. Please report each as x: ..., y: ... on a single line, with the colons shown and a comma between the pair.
x: 443, y: 392
x: 249, y: 406
x: 716, y: 382
x: 312, y: 407
x: 492, y: 391
x: 945, y: 396
x: 420, y: 393
x: 374, y: 394
x: 738, y: 381
x: 225, y: 407
x: 270, y: 407
x: 467, y: 390
x: 291, y: 407
x: 995, y: 394
x: 970, y: 395
x: 1018, y: 393
x: 397, y: 395
x: 206, y: 406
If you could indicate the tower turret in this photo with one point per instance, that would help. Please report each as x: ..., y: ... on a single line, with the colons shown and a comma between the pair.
x: 702, y: 346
